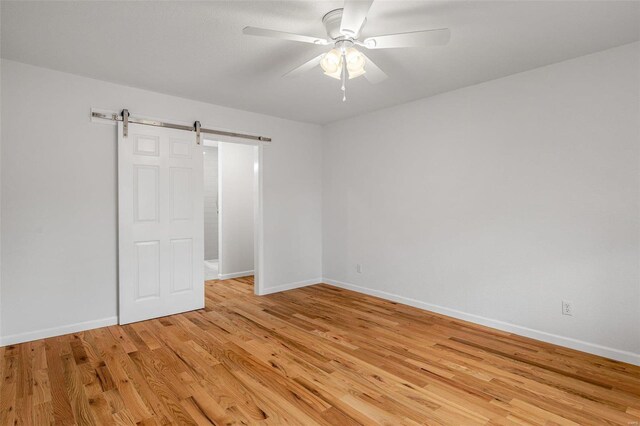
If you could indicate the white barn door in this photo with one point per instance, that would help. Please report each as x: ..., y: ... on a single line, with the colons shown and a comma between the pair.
x: 161, y: 224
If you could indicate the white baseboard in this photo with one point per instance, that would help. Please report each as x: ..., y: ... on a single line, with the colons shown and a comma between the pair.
x: 13, y: 339
x: 234, y: 275
x: 290, y: 286
x: 580, y: 345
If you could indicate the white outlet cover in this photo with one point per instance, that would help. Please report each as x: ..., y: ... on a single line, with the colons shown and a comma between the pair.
x: 567, y: 308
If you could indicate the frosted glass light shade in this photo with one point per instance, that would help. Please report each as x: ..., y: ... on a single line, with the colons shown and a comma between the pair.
x: 331, y: 63
x: 355, y: 63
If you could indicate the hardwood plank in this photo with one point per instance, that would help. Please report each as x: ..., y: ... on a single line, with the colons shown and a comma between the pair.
x: 315, y: 355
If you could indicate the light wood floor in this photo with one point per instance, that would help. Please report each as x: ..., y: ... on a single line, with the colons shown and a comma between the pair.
x: 317, y: 355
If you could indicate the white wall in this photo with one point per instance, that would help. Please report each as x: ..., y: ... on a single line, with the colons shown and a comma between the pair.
x: 210, y: 192
x: 236, y: 165
x: 59, y: 196
x: 497, y: 201
x: 491, y: 203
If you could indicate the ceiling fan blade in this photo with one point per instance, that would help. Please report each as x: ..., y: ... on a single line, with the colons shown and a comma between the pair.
x: 305, y: 67
x: 373, y: 73
x: 413, y: 39
x: 263, y: 32
x: 353, y: 16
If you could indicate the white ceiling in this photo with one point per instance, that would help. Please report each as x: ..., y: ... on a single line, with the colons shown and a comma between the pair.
x: 196, y: 49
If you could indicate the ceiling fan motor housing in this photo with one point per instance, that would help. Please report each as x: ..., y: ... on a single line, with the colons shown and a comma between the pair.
x: 332, y: 21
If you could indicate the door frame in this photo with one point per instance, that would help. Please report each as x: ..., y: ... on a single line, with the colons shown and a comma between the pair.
x: 258, y: 219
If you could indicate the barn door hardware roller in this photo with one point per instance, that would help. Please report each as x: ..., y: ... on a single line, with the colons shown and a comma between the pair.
x: 125, y: 122
x: 196, y: 127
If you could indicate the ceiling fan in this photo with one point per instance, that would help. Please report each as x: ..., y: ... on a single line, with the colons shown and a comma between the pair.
x: 345, y: 61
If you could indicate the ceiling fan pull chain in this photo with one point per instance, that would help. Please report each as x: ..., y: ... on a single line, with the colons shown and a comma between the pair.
x: 344, y: 76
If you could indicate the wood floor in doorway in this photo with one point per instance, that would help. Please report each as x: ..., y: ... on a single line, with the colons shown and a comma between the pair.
x: 316, y: 355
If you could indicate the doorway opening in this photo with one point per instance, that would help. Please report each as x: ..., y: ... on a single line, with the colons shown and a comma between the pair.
x: 211, y: 210
x: 230, y: 203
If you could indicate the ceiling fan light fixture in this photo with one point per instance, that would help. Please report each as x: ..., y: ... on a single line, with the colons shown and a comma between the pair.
x: 355, y: 63
x: 331, y: 62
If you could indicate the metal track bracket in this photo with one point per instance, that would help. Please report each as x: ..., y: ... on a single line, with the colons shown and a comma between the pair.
x: 197, y: 126
x: 125, y: 121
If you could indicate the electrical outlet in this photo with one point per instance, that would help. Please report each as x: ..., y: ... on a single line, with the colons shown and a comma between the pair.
x: 359, y: 268
x: 567, y: 308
